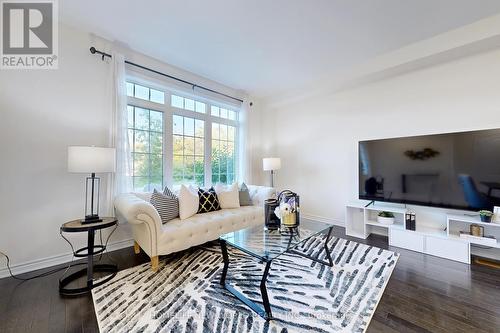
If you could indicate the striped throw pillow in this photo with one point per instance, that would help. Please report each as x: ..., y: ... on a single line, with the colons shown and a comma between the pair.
x: 168, y: 192
x: 167, y: 206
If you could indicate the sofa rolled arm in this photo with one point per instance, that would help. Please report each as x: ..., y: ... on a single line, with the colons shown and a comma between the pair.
x: 137, y: 211
x: 259, y: 194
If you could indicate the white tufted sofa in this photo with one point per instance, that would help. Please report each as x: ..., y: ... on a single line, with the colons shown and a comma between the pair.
x: 158, y: 239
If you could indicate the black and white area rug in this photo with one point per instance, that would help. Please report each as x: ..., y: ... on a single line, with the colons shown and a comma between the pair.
x: 185, y: 295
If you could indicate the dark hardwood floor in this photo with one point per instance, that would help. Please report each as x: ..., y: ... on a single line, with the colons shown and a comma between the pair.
x: 424, y: 294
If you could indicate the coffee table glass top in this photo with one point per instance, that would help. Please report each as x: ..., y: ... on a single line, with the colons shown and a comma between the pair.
x: 269, y: 244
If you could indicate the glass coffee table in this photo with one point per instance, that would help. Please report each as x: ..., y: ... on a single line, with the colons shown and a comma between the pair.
x: 267, y: 245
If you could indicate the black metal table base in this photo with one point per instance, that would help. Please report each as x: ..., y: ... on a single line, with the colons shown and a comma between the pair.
x: 91, y: 250
x: 316, y: 259
x: 101, y: 268
x: 265, y: 312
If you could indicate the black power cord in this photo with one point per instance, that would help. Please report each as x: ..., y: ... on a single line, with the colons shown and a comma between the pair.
x: 55, y: 270
x: 35, y: 276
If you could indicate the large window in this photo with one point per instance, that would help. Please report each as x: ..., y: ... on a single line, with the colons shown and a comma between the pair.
x: 222, y: 113
x: 223, y: 153
x: 179, y: 139
x: 189, y: 151
x: 142, y: 92
x: 188, y: 104
x: 146, y: 143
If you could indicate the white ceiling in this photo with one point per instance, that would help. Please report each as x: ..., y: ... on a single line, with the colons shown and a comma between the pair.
x: 268, y: 47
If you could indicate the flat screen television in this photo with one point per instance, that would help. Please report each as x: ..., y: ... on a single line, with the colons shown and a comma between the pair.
x: 453, y: 170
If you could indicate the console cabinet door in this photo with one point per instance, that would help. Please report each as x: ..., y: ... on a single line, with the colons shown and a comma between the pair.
x: 407, y: 240
x: 448, y: 248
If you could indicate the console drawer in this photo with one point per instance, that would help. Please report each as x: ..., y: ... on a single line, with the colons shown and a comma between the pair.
x: 407, y: 240
x: 448, y: 248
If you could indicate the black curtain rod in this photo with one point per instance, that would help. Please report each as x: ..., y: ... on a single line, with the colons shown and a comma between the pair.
x: 93, y: 50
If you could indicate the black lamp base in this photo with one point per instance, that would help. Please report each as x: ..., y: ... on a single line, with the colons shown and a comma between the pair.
x: 92, y: 185
x: 91, y: 219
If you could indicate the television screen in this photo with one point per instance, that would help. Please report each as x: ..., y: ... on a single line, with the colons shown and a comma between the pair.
x: 454, y: 170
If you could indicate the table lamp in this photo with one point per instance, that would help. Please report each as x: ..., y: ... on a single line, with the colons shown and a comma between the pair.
x: 271, y: 164
x: 91, y: 160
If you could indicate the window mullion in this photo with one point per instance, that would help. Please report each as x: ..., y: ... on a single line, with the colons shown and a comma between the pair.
x: 149, y: 155
x: 208, y: 150
x: 132, y: 149
x: 236, y: 166
x: 168, y: 145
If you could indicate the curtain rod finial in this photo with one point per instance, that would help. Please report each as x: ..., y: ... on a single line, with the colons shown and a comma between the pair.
x: 92, y: 50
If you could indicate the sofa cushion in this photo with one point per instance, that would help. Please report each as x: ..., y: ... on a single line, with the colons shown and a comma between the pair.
x: 167, y: 206
x: 208, y: 201
x: 228, y: 196
x: 201, y: 228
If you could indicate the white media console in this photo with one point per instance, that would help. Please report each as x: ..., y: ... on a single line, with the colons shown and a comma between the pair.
x: 439, y: 240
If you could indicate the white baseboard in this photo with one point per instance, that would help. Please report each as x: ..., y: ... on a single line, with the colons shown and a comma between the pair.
x: 338, y: 222
x: 34, y: 265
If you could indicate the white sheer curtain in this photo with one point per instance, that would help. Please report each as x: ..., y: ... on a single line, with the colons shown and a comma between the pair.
x: 244, y: 151
x: 121, y: 180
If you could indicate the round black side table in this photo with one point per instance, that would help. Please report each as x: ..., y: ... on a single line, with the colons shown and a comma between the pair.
x: 89, y: 251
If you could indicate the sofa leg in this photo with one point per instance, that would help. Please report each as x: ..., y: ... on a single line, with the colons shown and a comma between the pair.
x: 155, y: 263
x: 137, y: 248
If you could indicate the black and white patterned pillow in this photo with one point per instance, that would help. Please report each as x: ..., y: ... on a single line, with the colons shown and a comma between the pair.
x: 168, y: 192
x: 167, y: 206
x: 208, y: 201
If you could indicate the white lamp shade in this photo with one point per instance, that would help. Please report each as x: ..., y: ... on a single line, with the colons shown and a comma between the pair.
x: 271, y: 163
x: 91, y: 159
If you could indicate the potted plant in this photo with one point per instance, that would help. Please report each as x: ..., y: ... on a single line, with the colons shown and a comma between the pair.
x: 385, y: 218
x: 485, y: 215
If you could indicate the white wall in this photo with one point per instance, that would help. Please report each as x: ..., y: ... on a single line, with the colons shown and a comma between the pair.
x: 42, y: 112
x: 317, y: 137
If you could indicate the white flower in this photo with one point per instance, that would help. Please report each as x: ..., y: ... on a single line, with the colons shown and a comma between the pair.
x: 277, y: 212
x: 282, y: 210
x: 285, y: 208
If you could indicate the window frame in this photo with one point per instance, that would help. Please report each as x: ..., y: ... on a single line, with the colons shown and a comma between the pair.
x: 194, y: 137
x: 235, y: 148
x: 149, y: 131
x: 169, y: 111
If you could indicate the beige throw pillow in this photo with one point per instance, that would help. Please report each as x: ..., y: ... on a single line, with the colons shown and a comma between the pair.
x: 229, y: 196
